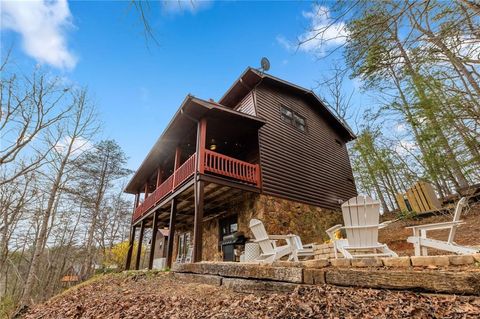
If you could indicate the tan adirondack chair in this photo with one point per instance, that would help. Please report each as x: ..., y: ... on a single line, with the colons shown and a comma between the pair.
x: 421, y: 242
x: 270, y: 252
x: 361, y: 216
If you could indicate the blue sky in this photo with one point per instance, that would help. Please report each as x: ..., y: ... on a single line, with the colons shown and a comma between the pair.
x: 202, y: 50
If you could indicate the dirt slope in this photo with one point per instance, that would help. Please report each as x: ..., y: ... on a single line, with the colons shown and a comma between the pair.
x: 160, y: 296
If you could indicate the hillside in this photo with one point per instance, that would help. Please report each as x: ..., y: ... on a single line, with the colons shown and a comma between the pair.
x: 158, y: 295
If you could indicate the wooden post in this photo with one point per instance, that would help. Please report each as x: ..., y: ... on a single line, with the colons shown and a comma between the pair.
x: 159, y: 177
x: 146, y: 191
x: 154, y: 240
x: 201, y: 140
x: 140, y: 242
x: 131, y: 241
x: 171, y: 234
x: 137, y: 200
x: 197, y: 224
x: 178, y: 155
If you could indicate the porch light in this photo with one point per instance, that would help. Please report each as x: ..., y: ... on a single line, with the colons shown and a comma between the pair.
x: 213, y: 145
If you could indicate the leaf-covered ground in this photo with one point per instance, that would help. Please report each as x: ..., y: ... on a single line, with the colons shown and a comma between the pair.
x: 158, y: 296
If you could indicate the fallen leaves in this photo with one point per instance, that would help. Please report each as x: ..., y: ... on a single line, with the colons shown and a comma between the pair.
x: 121, y: 296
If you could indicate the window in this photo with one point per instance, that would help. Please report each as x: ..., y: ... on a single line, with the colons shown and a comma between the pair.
x: 183, y: 246
x: 299, y: 122
x: 287, y: 115
x: 292, y: 118
x: 228, y: 226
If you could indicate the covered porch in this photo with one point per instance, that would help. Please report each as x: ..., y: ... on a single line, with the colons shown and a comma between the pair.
x: 207, y: 157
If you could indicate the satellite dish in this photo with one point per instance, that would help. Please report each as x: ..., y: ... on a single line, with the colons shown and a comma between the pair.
x: 265, y: 64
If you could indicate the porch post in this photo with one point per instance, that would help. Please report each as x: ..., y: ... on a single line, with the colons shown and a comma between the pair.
x: 201, y: 140
x: 131, y: 240
x: 171, y: 232
x: 197, y: 226
x: 137, y: 200
x: 176, y: 165
x: 146, y: 190
x: 159, y: 177
x: 140, y: 242
x: 199, y: 191
x: 154, y: 240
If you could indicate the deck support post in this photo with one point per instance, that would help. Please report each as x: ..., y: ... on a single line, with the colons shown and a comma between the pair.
x: 131, y: 241
x: 171, y: 233
x: 140, y: 243
x: 198, y: 221
x: 154, y: 240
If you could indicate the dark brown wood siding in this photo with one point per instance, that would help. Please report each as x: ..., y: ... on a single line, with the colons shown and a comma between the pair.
x: 246, y: 105
x: 311, y: 167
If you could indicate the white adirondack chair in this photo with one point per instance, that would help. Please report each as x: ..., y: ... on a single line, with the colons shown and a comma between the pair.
x: 422, y: 243
x: 299, y: 249
x: 361, y: 216
x: 269, y: 250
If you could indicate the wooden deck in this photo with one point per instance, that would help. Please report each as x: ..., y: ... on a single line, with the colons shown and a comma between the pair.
x: 218, y: 170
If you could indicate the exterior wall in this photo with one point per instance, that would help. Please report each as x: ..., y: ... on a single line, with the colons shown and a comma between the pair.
x: 246, y: 105
x: 312, y: 167
x: 280, y: 217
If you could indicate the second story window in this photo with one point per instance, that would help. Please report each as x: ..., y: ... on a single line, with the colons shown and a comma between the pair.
x: 299, y: 122
x: 292, y: 118
x: 287, y: 115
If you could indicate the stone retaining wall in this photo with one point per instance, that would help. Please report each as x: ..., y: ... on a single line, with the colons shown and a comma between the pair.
x: 440, y: 274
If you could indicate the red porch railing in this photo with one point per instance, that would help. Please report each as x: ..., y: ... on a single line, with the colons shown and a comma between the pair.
x: 168, y: 186
x: 228, y: 166
x: 213, y: 162
x: 185, y: 170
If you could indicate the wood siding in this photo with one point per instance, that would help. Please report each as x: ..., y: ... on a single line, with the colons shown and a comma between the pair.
x: 246, y: 105
x: 310, y: 167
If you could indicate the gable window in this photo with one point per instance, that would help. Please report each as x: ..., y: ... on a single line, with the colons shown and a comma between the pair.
x: 292, y: 118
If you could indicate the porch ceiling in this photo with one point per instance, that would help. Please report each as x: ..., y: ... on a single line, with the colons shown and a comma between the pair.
x: 181, y: 127
x: 217, y: 200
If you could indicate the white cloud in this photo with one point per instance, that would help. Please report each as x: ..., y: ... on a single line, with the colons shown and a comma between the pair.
x: 400, y: 127
x: 285, y: 43
x: 79, y: 145
x: 42, y: 25
x: 405, y: 147
x: 180, y: 6
x: 322, y: 32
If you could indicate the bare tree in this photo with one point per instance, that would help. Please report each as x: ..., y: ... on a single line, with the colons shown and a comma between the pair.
x: 77, y: 130
x: 30, y: 107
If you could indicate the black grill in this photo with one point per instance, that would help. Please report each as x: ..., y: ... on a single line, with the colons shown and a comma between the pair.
x: 230, y: 243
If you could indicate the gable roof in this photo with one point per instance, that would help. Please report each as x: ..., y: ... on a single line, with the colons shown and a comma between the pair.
x: 252, y: 77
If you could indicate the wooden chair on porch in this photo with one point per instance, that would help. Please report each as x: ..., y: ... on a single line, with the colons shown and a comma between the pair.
x: 421, y: 242
x: 270, y: 252
x: 361, y: 216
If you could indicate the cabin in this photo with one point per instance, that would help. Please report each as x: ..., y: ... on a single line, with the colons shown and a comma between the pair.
x: 267, y: 149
